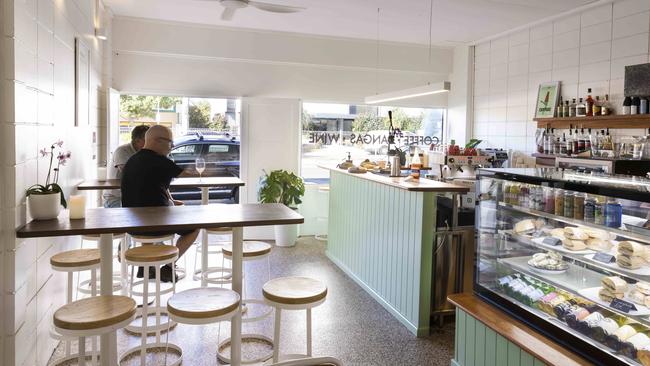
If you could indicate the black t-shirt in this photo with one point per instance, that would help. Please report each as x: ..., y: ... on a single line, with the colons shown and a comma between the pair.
x: 145, y: 179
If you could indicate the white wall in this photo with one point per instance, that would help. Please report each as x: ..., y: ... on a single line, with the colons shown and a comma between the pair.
x: 460, y: 95
x: 587, y: 50
x: 38, y: 108
x: 179, y: 58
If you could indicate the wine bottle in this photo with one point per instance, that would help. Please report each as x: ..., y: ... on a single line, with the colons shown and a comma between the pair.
x: 589, y: 104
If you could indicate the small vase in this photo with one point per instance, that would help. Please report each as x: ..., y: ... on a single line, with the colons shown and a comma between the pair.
x: 44, y: 206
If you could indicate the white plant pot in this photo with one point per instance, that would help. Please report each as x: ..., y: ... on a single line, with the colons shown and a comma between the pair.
x: 286, y: 235
x: 44, y: 206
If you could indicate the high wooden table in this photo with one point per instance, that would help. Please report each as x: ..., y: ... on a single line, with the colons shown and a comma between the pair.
x: 107, y: 222
x: 204, y: 183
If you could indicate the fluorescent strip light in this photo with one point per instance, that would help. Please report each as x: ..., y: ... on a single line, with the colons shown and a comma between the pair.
x: 419, y: 91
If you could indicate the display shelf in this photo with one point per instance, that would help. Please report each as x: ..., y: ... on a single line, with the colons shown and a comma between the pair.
x: 583, y: 258
x: 573, y: 280
x: 612, y: 121
x: 618, y: 231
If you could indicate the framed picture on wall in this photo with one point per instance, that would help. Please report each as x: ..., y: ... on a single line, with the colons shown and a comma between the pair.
x: 548, y: 95
x: 82, y: 83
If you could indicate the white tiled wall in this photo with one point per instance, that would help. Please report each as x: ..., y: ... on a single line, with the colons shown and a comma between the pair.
x: 38, y: 77
x: 588, y: 50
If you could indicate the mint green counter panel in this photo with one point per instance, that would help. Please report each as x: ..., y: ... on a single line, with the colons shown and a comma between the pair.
x: 382, y: 237
x: 478, y: 345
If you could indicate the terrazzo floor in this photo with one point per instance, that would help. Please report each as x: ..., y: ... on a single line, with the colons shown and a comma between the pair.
x: 350, y: 325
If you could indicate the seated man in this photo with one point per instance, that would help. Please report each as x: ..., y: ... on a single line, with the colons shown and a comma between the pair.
x: 145, y: 183
x: 112, y: 197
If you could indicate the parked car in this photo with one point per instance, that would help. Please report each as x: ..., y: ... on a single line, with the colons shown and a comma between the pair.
x: 221, y: 154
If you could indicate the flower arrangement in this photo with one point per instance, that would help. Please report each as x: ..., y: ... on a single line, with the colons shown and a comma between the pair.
x: 52, y: 181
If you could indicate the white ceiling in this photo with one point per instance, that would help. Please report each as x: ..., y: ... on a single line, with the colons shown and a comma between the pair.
x: 454, y: 21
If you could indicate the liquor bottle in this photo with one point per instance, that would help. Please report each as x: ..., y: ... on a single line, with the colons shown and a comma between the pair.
x: 608, y: 145
x: 416, y: 165
x: 563, y: 145
x: 589, y: 104
x: 572, y: 108
x: 547, y: 140
x: 634, y: 107
x: 565, y: 109
x: 606, y: 108
x: 576, y: 142
x: 558, y: 109
x: 597, y: 107
x: 627, y: 105
x: 588, y: 141
x: 581, y: 109
x: 557, y: 148
x: 582, y: 142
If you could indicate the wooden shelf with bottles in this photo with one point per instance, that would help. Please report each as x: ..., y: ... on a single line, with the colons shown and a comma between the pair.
x: 611, y: 121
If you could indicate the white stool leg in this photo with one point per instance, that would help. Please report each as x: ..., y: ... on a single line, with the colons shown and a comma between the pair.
x: 145, y: 310
x: 68, y: 344
x: 276, y: 335
x: 124, y: 268
x: 93, y: 292
x: 82, y: 351
x: 158, y: 314
x: 309, y: 332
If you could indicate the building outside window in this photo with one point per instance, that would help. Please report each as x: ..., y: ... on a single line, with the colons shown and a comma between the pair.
x: 332, y: 131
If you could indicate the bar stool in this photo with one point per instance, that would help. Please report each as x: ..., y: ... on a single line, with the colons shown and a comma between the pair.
x: 71, y: 262
x: 252, y: 250
x: 92, y: 317
x: 151, y: 256
x: 200, y: 306
x: 293, y: 293
x: 144, y: 240
x: 214, y: 248
x: 324, y: 190
x: 119, y: 281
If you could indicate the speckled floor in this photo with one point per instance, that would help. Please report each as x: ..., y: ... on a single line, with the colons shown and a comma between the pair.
x: 350, y: 325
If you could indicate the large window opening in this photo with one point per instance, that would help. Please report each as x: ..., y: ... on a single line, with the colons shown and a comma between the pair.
x: 203, y: 128
x: 331, y: 131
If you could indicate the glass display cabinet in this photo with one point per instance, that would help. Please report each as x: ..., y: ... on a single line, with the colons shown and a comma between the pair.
x: 568, y: 253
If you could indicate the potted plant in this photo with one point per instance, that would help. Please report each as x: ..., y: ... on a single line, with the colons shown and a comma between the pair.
x: 45, y: 201
x: 281, y: 186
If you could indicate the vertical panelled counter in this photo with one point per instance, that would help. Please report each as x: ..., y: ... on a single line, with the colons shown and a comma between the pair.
x: 381, y: 234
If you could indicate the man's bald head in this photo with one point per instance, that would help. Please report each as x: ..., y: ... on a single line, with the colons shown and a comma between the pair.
x: 159, y: 139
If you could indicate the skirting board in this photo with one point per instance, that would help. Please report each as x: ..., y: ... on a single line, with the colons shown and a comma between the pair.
x: 421, y: 332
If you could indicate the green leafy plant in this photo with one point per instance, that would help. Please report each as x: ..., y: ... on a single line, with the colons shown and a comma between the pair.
x: 53, y: 186
x: 281, y: 186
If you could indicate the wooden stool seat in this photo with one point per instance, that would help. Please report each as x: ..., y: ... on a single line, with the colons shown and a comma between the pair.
x: 94, y: 312
x: 203, y: 302
x: 151, y: 253
x: 251, y: 249
x: 294, y: 290
x: 219, y: 230
x: 76, y: 258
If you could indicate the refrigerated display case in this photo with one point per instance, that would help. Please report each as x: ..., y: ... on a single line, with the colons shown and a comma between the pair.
x: 569, y: 254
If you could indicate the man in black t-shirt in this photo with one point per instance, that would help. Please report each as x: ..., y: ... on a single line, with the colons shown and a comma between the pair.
x: 145, y: 183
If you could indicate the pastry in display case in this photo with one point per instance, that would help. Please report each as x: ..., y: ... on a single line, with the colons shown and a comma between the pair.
x: 569, y: 254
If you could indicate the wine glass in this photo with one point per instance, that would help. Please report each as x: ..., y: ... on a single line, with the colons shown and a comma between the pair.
x: 200, y: 166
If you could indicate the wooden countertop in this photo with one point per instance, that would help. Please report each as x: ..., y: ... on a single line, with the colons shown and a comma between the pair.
x: 516, y: 332
x: 177, y: 183
x: 166, y: 218
x: 423, y: 185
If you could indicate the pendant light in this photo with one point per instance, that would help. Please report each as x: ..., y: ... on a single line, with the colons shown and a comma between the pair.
x: 428, y: 89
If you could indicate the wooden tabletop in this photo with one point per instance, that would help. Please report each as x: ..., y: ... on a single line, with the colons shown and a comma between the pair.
x: 421, y: 185
x: 172, y: 218
x: 188, y: 182
x: 516, y: 332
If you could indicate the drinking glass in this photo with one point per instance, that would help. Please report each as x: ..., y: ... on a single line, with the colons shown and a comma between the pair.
x: 200, y: 166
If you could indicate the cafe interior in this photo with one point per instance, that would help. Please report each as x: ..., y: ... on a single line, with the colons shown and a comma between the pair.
x: 343, y: 182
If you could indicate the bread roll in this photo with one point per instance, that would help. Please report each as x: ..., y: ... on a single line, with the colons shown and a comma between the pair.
x: 614, y: 284
x: 574, y: 244
x: 524, y: 227
x: 628, y: 262
x: 599, y: 245
x: 607, y: 296
x: 637, y: 297
x: 643, y: 287
x: 558, y: 233
x: 631, y: 248
x: 575, y: 233
x: 598, y: 234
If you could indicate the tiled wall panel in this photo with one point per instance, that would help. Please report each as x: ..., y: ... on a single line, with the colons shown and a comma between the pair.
x: 588, y: 50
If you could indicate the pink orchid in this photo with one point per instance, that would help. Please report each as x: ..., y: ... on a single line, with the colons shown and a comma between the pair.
x: 44, y: 152
x: 58, y: 143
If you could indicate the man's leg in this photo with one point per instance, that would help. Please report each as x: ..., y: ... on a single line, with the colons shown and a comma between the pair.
x: 185, y: 241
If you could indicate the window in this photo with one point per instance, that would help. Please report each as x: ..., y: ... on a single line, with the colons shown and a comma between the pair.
x: 331, y: 131
x: 186, y: 152
x: 222, y: 152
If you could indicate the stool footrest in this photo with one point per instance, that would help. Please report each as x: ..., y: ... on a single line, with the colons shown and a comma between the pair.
x: 172, y: 348
x: 244, y: 337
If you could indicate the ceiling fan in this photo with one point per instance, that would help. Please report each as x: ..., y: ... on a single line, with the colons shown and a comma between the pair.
x: 230, y: 6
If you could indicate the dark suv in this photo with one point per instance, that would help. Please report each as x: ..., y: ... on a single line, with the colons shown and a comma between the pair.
x: 221, y: 154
